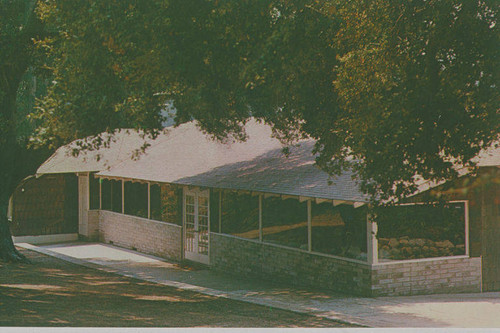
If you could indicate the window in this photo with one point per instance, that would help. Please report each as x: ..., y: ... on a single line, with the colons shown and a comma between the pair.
x: 155, y: 197
x: 111, y: 191
x: 116, y: 196
x: 106, y: 194
x: 214, y: 210
x: 421, y: 231
x: 240, y: 215
x: 165, y: 203
x: 136, y: 199
x: 284, y: 222
x: 339, y: 230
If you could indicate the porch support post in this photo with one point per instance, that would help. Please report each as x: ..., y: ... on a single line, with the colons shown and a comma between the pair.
x: 88, y: 190
x: 220, y: 211
x: 309, y: 226
x: 371, y: 237
x: 466, y: 211
x: 100, y: 193
x: 149, y: 200
x: 83, y: 203
x: 260, y: 217
x: 123, y: 196
x: 111, y: 182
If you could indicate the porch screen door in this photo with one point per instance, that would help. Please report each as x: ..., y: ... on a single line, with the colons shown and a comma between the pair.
x: 196, y: 225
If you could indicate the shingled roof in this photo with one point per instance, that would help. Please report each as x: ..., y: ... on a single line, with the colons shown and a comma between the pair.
x: 489, y: 157
x: 123, y: 146
x: 187, y: 156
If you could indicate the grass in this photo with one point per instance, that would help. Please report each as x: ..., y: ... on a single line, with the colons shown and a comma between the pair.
x: 53, y: 292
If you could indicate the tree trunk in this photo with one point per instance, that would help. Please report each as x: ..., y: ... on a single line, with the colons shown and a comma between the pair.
x: 15, y: 164
x: 9, y: 157
x: 8, y: 251
x: 9, y: 171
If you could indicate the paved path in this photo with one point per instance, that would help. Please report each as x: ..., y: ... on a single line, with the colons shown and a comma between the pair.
x: 453, y: 310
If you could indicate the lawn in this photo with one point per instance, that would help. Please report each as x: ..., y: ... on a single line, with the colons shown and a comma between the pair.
x: 53, y: 292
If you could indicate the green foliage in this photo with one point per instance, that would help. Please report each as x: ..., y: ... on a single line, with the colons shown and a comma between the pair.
x: 31, y: 87
x: 422, y: 76
x: 396, y: 91
x: 18, y: 26
x: 15, y: 32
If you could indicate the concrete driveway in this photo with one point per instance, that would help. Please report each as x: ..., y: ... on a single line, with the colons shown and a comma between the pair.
x: 451, y: 310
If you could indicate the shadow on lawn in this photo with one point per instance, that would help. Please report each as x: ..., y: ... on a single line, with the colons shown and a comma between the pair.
x: 51, y: 292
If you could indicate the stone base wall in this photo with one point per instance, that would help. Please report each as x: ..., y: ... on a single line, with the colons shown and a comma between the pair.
x: 147, y: 236
x: 275, y: 263
x: 428, y: 276
x: 296, y: 267
x: 439, y: 276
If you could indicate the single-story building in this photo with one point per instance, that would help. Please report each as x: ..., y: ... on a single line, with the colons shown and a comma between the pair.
x: 246, y: 208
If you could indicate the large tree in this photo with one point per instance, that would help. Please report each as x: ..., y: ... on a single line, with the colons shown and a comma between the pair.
x: 396, y: 90
x: 19, y: 25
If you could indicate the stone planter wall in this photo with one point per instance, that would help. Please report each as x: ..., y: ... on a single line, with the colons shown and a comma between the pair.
x: 407, y: 248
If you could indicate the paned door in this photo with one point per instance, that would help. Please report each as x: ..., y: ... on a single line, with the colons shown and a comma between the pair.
x: 196, y: 225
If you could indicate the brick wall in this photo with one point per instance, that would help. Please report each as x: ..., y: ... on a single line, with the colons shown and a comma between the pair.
x: 451, y: 275
x: 147, y: 236
x: 275, y: 263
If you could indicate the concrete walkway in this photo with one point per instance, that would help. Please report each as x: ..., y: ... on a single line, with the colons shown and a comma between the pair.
x: 452, y: 310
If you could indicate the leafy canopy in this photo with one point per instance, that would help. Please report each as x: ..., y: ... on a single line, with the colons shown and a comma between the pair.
x: 18, y: 88
x: 397, y: 91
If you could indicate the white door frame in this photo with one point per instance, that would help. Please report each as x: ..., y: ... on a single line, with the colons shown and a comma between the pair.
x: 83, y: 203
x: 196, y: 243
